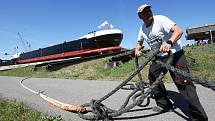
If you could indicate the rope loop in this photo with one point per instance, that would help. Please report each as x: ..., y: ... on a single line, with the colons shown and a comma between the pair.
x: 98, y: 109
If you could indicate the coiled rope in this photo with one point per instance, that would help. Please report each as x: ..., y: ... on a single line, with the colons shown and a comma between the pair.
x: 124, y: 109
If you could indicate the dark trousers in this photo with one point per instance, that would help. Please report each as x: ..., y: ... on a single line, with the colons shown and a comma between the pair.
x: 184, y: 85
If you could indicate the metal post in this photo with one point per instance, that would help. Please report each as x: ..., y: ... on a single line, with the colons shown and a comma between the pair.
x: 211, y: 36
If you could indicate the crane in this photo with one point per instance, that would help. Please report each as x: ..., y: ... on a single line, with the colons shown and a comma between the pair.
x: 26, y: 45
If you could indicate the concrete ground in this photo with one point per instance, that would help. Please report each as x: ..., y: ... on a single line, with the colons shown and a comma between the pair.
x: 78, y: 92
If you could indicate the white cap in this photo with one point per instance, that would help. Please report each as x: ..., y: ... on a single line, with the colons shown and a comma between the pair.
x: 142, y: 7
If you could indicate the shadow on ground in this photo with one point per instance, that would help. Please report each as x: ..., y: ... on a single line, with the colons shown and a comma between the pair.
x: 178, y: 102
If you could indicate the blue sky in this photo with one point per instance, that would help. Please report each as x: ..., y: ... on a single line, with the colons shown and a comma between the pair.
x: 47, y: 22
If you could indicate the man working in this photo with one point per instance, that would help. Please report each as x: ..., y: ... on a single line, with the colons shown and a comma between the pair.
x: 164, y: 35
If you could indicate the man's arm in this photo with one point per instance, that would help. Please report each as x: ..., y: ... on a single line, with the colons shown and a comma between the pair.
x: 176, y: 35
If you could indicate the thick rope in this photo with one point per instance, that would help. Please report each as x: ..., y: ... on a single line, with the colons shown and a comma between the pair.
x: 138, y: 101
x: 21, y: 82
x: 96, y: 117
x: 141, y: 98
x: 61, y: 105
x: 129, y: 78
x: 204, y: 83
x: 125, y: 109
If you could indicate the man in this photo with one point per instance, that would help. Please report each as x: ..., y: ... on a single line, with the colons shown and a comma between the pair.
x: 164, y: 35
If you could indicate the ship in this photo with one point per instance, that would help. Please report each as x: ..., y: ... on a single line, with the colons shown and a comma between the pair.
x: 93, y: 43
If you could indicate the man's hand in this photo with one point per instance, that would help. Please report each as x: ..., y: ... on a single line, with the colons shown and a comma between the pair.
x: 138, y: 52
x: 165, y: 47
x: 176, y: 35
x: 138, y: 48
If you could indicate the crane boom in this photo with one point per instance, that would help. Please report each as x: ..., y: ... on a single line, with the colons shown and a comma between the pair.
x: 26, y: 47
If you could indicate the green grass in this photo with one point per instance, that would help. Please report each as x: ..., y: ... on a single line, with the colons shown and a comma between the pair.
x: 17, y: 111
x: 19, y: 72
x: 205, y: 61
x: 95, y: 69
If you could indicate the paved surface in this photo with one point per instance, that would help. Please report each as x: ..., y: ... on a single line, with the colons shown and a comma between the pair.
x: 78, y: 92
